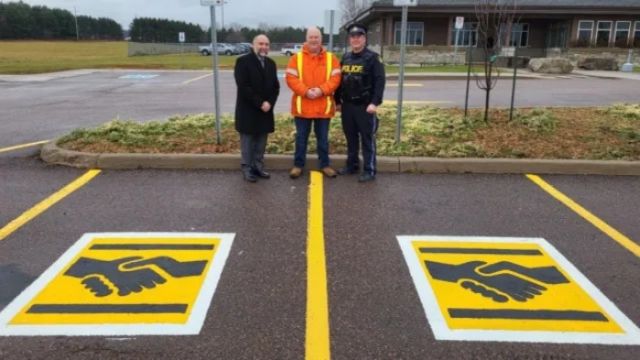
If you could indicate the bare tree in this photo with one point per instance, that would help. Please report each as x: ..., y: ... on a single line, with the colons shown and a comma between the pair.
x: 495, y: 20
x: 350, y: 9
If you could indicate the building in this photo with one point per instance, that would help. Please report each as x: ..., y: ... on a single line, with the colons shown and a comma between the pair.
x: 541, y: 25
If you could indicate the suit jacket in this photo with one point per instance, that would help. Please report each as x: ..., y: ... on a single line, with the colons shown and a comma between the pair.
x: 255, y: 85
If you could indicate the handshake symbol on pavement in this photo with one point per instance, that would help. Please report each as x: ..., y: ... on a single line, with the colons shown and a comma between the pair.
x: 130, y: 274
x: 501, y: 281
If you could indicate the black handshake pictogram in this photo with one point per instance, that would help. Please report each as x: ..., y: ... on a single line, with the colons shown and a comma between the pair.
x: 130, y: 274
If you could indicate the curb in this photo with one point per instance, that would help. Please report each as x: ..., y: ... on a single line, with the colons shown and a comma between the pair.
x: 53, y: 154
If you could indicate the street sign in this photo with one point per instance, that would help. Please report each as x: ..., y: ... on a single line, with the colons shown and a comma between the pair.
x: 181, y: 37
x: 123, y: 284
x: 405, y: 2
x: 332, y: 22
x: 510, y: 289
x: 459, y: 22
x: 209, y: 2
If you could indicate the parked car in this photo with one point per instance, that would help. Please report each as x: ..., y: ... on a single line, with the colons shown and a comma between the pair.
x: 290, y: 50
x: 222, y: 49
x: 243, y: 48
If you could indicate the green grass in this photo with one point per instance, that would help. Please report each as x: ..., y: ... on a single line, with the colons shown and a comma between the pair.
x: 30, y: 57
x: 636, y: 69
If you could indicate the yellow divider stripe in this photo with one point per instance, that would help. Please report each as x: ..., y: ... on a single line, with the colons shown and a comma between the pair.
x: 317, y: 346
x: 22, y: 146
x: 47, y: 203
x: 584, y: 213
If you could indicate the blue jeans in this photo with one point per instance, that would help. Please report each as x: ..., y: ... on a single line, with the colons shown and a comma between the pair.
x: 321, y: 129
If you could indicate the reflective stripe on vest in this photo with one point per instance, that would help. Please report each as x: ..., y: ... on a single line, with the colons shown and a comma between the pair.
x: 328, y: 66
x: 299, y: 98
x: 329, y: 63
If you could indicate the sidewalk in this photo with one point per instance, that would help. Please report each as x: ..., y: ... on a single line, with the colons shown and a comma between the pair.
x: 608, y: 74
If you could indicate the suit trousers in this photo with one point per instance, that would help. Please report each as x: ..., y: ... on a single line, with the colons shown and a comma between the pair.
x: 252, y: 147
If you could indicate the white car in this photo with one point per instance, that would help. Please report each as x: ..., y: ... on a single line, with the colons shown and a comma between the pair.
x: 291, y: 50
x: 223, y: 49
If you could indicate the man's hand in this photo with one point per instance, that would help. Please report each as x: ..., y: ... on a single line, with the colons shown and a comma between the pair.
x: 372, y: 109
x: 338, y: 107
x: 314, y: 93
x: 265, y: 106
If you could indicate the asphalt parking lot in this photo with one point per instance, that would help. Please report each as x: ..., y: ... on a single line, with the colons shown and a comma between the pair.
x: 42, y: 107
x: 260, y: 307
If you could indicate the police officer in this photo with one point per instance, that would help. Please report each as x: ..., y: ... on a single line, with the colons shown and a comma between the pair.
x: 360, y: 94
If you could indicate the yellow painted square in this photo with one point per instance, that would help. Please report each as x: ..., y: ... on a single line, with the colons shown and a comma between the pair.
x: 167, y: 272
x: 507, y: 286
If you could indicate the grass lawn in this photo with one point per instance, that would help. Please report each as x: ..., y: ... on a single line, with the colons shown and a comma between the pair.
x: 31, y: 57
x: 636, y: 68
x: 545, y: 133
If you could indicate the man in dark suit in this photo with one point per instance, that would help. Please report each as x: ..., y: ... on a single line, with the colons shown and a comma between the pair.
x: 258, y: 89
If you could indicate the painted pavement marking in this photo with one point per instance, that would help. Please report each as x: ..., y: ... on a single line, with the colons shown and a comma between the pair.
x: 510, y: 289
x: 47, y: 203
x: 587, y: 215
x: 317, y: 345
x: 123, y: 284
x: 138, y: 76
x: 23, y: 146
x: 196, y: 79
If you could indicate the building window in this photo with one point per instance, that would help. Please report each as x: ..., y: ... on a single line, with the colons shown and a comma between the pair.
x: 415, y: 33
x: 636, y: 36
x: 468, y: 34
x: 519, y: 35
x: 603, y: 34
x: 623, y: 30
x: 585, y: 32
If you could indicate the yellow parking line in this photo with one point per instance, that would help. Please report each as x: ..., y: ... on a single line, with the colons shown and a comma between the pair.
x: 317, y: 345
x: 584, y: 213
x: 47, y: 203
x: 22, y: 146
x: 196, y: 79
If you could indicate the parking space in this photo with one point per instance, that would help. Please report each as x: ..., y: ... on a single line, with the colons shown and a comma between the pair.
x: 259, y: 305
x: 375, y: 310
x: 260, y: 308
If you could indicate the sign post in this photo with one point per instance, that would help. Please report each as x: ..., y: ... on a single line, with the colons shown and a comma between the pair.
x: 331, y: 25
x: 403, y: 41
x: 459, y: 26
x: 181, y: 40
x: 214, y: 55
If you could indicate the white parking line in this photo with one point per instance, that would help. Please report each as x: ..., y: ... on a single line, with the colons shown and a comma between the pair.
x: 196, y: 79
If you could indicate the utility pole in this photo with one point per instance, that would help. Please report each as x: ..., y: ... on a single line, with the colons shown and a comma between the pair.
x: 75, y: 16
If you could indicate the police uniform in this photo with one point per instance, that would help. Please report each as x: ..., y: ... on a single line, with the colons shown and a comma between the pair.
x: 362, y: 84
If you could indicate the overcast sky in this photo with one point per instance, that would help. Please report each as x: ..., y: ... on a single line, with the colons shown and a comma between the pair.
x: 244, y: 12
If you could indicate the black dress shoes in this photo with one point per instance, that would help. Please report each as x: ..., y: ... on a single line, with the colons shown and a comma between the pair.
x: 248, y: 176
x: 260, y: 173
x: 347, y: 171
x: 366, y: 177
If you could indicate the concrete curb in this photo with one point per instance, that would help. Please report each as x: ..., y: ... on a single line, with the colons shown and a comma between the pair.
x: 53, y: 154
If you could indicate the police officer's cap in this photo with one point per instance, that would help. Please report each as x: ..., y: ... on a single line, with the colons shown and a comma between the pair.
x: 356, y: 28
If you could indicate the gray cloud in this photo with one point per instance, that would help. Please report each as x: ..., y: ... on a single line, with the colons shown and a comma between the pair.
x: 243, y: 12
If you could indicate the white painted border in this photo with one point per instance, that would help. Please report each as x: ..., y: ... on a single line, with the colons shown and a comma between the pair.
x: 192, y: 327
x: 442, y: 332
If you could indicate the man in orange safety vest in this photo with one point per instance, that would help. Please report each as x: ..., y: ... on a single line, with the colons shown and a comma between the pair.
x: 313, y: 75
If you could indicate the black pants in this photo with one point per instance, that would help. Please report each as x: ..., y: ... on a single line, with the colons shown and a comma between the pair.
x: 252, y: 147
x: 360, y: 128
